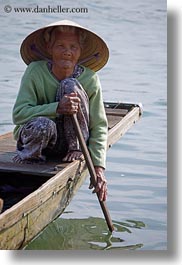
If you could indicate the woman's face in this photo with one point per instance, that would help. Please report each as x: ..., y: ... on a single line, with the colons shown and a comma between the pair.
x: 65, y: 50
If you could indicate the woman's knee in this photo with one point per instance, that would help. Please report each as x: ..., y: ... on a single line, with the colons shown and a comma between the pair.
x: 43, y: 123
x: 39, y: 126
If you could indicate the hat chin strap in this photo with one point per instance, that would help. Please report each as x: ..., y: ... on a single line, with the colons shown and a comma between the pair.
x: 36, y: 51
x: 95, y: 55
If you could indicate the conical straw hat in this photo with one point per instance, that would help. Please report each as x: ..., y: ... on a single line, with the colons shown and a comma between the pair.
x: 94, y: 53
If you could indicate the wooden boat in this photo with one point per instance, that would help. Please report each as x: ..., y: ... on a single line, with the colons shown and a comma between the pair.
x: 34, y: 195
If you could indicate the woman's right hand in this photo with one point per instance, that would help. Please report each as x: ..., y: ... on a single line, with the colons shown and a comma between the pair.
x: 69, y: 104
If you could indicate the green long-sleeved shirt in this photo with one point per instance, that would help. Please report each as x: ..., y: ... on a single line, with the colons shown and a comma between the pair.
x: 36, y: 98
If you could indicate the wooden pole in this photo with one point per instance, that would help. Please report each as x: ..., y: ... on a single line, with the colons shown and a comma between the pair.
x: 91, y: 169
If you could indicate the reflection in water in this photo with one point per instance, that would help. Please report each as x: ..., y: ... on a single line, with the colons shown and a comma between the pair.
x: 85, y: 234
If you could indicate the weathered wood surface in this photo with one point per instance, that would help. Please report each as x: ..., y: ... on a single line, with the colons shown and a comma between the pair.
x: 120, y: 128
x: 24, y: 220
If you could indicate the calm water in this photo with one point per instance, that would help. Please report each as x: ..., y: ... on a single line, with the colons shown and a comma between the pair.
x: 136, y: 165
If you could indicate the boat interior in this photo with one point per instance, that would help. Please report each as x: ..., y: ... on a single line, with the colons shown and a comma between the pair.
x: 19, y: 180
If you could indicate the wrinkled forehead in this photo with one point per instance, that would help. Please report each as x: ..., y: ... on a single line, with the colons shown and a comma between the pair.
x: 69, y: 36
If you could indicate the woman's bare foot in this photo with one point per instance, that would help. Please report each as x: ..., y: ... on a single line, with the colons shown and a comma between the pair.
x: 72, y: 155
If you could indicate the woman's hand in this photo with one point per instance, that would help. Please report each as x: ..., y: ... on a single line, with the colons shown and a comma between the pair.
x: 69, y: 104
x: 101, y: 186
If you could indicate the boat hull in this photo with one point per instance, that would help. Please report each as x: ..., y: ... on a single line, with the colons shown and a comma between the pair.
x: 23, y: 221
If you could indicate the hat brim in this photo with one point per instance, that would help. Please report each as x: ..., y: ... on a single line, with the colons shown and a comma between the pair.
x: 94, y: 54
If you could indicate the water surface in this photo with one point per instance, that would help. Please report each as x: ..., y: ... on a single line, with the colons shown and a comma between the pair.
x: 136, y: 165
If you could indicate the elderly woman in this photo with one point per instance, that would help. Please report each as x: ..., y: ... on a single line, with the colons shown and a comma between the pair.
x: 60, y: 80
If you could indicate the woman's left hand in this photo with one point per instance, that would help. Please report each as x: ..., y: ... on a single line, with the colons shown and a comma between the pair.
x: 101, y: 186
